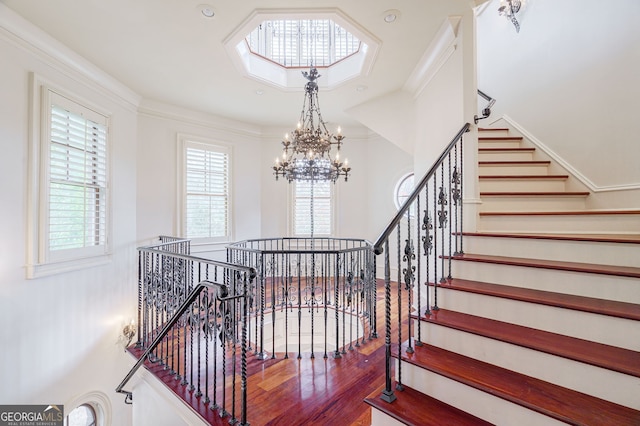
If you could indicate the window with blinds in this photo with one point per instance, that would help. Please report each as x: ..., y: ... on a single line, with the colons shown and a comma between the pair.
x: 303, y: 42
x: 206, y: 191
x: 76, y: 206
x: 322, y: 208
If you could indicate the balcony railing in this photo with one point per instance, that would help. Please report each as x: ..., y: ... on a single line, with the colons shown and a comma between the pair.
x: 192, y: 315
x: 319, y: 293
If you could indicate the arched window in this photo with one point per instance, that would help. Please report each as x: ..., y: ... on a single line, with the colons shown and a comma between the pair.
x: 83, y: 415
x: 403, y: 189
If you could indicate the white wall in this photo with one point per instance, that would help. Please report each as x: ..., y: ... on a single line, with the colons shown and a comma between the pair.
x: 157, y: 173
x: 570, y: 78
x: 60, y: 332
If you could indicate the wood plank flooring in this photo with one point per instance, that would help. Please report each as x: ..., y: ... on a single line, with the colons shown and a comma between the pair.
x: 306, y: 391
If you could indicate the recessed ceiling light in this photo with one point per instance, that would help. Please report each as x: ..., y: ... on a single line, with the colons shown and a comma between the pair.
x: 361, y: 88
x: 391, y: 16
x: 259, y: 92
x: 207, y: 10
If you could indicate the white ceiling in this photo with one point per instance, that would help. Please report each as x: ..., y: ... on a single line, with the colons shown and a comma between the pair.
x: 166, y: 51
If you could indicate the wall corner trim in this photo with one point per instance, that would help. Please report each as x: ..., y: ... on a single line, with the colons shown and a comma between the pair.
x: 440, y: 49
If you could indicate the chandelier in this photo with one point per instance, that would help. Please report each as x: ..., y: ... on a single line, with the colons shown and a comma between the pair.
x: 306, y: 155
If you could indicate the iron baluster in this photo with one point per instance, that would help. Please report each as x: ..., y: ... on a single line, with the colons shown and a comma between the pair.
x: 387, y: 394
x: 408, y: 257
x: 398, y: 248
x: 419, y: 267
x: 435, y: 248
x: 274, y: 270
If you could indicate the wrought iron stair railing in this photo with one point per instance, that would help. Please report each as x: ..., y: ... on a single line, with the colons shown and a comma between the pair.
x: 318, y: 294
x: 192, y: 315
x: 430, y: 224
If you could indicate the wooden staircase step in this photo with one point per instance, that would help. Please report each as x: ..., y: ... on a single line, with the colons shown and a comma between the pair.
x: 620, y: 271
x: 523, y: 177
x: 500, y: 138
x: 493, y: 129
x: 515, y: 163
x: 535, y: 194
x: 564, y: 213
x: 605, y: 356
x: 611, y: 308
x: 415, y: 408
x: 481, y: 150
x: 594, y: 238
x: 555, y: 401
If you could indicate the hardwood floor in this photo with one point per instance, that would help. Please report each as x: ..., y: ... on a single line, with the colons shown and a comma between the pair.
x: 306, y: 391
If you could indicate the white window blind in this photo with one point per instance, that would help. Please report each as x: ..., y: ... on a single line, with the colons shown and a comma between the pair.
x: 322, y: 208
x: 302, y: 43
x: 77, y: 178
x: 206, y: 209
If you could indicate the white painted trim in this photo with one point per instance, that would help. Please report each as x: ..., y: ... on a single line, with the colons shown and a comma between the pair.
x: 568, y: 167
x: 40, y: 262
x: 100, y: 403
x: 169, y: 112
x: 183, y: 410
x: 14, y: 28
x: 439, y: 51
x: 281, y: 77
x: 182, y: 141
x: 481, y: 6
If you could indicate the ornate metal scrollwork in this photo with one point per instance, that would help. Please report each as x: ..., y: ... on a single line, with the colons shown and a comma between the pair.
x: 442, y: 213
x: 409, y: 271
x: 312, y: 295
x: 427, y: 240
x: 455, y: 191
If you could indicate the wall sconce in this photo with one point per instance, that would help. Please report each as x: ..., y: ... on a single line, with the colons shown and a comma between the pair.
x: 128, y: 331
x: 508, y: 9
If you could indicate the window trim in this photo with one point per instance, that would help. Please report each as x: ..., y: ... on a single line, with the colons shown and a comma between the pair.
x: 396, y: 190
x: 184, y: 140
x: 100, y: 403
x: 292, y: 213
x: 40, y: 261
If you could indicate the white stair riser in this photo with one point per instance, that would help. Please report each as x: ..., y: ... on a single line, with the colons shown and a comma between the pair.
x: 582, y: 325
x: 493, y: 133
x: 562, y: 224
x: 476, y: 402
x: 518, y: 185
x: 505, y: 156
x: 499, y: 143
x: 378, y: 418
x: 608, y: 287
x: 530, y: 204
x: 513, y: 169
x: 602, y: 253
x: 585, y: 378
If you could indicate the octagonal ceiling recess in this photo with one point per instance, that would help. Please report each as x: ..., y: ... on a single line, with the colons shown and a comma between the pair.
x: 262, y: 69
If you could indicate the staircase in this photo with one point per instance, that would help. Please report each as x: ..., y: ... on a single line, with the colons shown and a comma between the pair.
x: 541, y: 323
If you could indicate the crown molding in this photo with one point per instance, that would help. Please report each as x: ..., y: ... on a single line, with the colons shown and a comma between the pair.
x: 161, y: 110
x: 22, y: 33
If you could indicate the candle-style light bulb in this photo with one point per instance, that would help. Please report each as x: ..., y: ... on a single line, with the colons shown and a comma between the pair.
x: 339, y: 131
